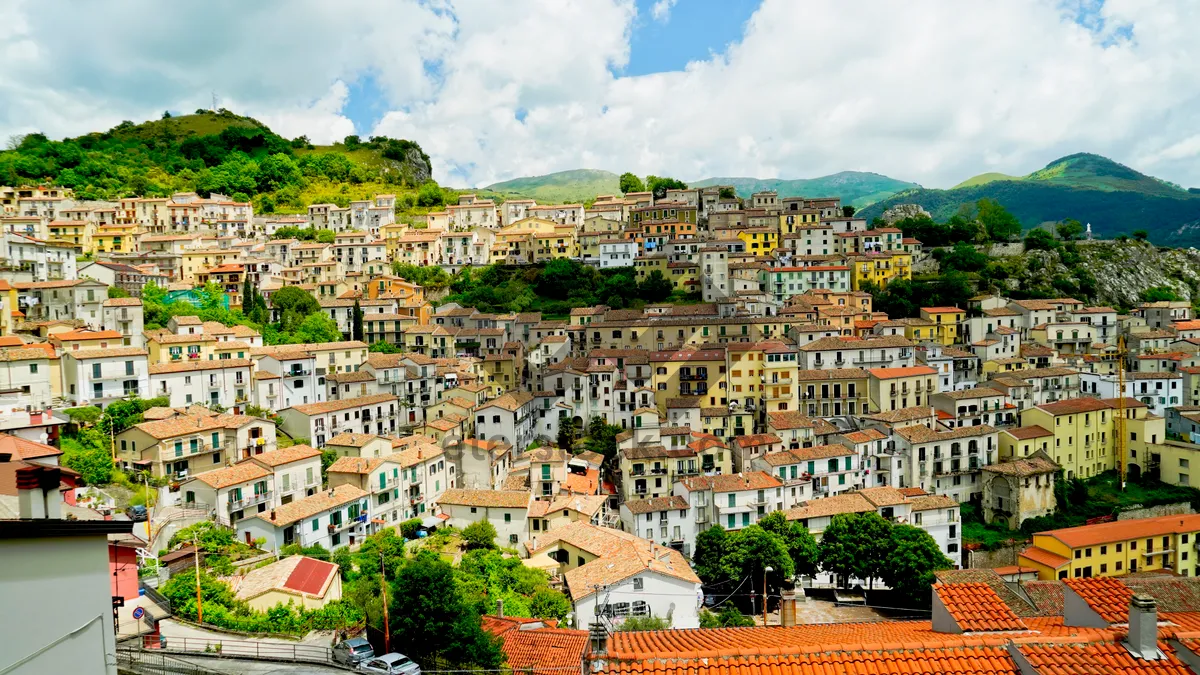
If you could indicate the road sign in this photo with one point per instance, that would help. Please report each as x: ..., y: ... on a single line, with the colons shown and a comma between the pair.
x: 139, y: 613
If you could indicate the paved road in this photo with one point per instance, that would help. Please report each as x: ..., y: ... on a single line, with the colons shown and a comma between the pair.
x: 173, y: 629
x: 222, y: 666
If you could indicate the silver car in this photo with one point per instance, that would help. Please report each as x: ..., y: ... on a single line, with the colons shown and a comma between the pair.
x: 391, y: 664
x: 353, y: 651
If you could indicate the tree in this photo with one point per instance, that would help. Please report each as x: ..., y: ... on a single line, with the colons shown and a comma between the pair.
x: 728, y: 617
x: 166, y: 114
x: 751, y: 550
x: 84, y: 416
x: 631, y: 183
x: 848, y: 211
x: 1160, y: 294
x: 318, y: 328
x: 356, y: 322
x: 480, y: 534
x: 727, y: 192
x: 655, y: 287
x: 602, y: 438
x: 706, y: 559
x: 568, y: 433
x: 93, y: 461
x: 325, y: 236
x: 660, y: 184
x: 632, y: 623
x: 429, y: 618
x: 548, y: 603
x: 120, y: 415
x: 855, y: 545
x: 913, y: 557
x: 383, y: 347
x: 1141, y: 235
x: 1069, y: 230
x: 801, y: 545
x: 1000, y: 225
x: 429, y: 195
x: 293, y: 304
x: 964, y: 258
x: 117, y: 292
x: 1039, y: 239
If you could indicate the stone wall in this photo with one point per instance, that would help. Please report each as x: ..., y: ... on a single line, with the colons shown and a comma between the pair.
x: 1177, y: 509
x: 1002, y: 557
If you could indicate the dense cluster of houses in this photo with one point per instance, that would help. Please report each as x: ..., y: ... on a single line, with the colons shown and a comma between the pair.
x: 783, y: 390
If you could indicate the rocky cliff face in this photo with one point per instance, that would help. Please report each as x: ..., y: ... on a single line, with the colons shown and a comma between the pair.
x: 1122, y: 270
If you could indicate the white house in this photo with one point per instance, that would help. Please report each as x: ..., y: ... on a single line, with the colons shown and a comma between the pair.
x: 615, y: 575
x: 223, y: 382
x: 1159, y: 391
x: 26, y: 372
x: 506, y: 510
x: 330, y: 518
x: 101, y: 376
x: 320, y: 421
x: 509, y: 418
x: 617, y: 253
x: 945, y: 462
x: 732, y: 501
x: 827, y: 469
x: 68, y: 299
x: 43, y: 260
x: 666, y: 520
x: 126, y: 316
x: 297, y: 380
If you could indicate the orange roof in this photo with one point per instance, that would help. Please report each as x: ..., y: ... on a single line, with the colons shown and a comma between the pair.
x: 1025, y: 433
x: 1105, y: 657
x: 911, y: 371
x: 1107, y: 596
x: 582, y: 483
x: 85, y: 334
x: 1124, y: 530
x: 21, y: 448
x: 1044, y: 557
x: 976, y: 607
x: 531, y: 647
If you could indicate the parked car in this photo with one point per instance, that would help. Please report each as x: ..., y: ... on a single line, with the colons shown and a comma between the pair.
x: 353, y: 651
x: 391, y: 664
x: 137, y: 513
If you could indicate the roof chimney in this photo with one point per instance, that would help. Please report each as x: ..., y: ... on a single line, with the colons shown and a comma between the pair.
x: 500, y: 608
x: 37, y: 493
x: 1143, y: 628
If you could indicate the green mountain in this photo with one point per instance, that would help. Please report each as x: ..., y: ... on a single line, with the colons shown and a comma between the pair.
x: 856, y: 188
x: 564, y: 187
x: 986, y: 178
x: 216, y: 152
x: 1114, y: 198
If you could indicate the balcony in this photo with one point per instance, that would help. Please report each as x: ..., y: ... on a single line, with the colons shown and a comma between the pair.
x: 297, y: 373
x: 701, y: 515
x: 697, y: 377
x: 110, y: 376
x: 658, y: 472
x: 256, y: 498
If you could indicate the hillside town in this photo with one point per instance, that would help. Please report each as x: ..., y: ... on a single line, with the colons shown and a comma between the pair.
x: 641, y: 460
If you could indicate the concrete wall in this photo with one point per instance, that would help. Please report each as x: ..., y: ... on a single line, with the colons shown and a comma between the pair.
x: 1156, y: 511
x: 57, y: 597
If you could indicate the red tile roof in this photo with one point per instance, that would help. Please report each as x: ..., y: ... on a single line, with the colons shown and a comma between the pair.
x: 310, y: 576
x: 1124, y: 530
x: 1041, y: 555
x: 1106, y: 657
x: 532, y: 648
x: 976, y: 607
x: 1107, y: 596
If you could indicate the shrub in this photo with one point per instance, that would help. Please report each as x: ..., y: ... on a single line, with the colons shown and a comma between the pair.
x: 479, y: 535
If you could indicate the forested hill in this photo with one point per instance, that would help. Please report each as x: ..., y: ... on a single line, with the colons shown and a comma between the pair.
x: 218, y: 152
x: 1114, y: 198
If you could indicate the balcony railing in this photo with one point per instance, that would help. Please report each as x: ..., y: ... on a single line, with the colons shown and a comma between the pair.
x: 256, y: 498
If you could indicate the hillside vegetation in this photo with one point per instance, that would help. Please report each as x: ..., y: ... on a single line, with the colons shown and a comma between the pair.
x: 216, y: 152
x: 564, y: 187
x: 1092, y: 189
x: 856, y: 188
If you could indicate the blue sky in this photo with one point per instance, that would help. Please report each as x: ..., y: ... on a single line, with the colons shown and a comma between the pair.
x: 692, y: 30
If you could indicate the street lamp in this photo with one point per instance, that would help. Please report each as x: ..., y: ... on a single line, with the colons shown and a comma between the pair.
x: 768, y: 568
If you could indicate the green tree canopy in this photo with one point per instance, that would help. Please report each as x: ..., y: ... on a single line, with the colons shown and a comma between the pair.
x: 660, y: 184
x: 655, y: 287
x: 999, y: 224
x: 631, y: 183
x: 429, y: 618
x: 912, y: 558
x: 480, y: 534
x: 1069, y: 230
x: 1040, y: 240
x: 856, y: 545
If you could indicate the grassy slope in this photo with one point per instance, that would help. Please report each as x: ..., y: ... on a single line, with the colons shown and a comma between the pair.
x: 1092, y: 189
x: 857, y: 188
x: 985, y: 178
x: 575, y: 186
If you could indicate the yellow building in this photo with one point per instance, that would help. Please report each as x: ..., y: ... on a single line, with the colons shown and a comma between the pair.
x: 691, y: 372
x: 896, y: 388
x: 685, y: 276
x: 1084, y: 434
x: 759, y: 240
x: 113, y: 239
x: 1116, y: 549
x: 834, y: 392
x: 557, y: 243
x: 1022, y: 442
x: 946, y: 321
x: 74, y: 233
x: 645, y: 264
x: 879, y: 268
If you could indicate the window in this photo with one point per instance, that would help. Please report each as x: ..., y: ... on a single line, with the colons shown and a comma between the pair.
x: 316, y: 524
x: 33, y: 369
x: 508, y: 517
x: 638, y: 583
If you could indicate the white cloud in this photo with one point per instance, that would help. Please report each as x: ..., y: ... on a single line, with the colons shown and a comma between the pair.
x: 931, y: 92
x: 661, y: 10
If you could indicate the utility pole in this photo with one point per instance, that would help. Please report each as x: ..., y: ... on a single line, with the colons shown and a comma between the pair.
x: 199, y: 605
x: 766, y: 569
x: 149, y: 511
x: 387, y: 632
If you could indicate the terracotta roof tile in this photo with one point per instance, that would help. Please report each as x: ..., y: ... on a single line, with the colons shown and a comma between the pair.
x: 310, y: 506
x: 1124, y: 530
x: 242, y: 472
x: 488, y: 498
x: 1106, y: 595
x: 976, y: 607
x: 343, y: 404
